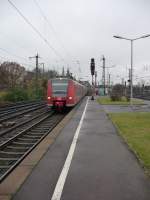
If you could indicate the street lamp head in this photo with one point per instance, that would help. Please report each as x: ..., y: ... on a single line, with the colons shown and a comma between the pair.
x: 144, y: 36
x: 116, y: 36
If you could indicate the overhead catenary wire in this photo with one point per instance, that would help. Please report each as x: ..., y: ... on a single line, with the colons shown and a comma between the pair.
x: 50, y: 26
x: 36, y: 30
x: 10, y: 60
x: 14, y: 42
x: 12, y: 54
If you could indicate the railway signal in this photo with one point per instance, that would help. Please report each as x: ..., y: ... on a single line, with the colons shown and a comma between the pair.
x: 103, y: 75
x: 92, y: 67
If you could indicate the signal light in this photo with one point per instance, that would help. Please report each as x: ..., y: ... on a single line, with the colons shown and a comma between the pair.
x: 92, y: 66
x: 70, y: 98
x: 48, y: 98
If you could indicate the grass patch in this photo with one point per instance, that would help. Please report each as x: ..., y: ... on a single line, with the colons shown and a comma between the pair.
x: 135, y: 129
x: 108, y: 101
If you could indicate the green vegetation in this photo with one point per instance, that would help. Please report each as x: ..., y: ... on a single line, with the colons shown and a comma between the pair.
x: 123, y: 101
x: 2, y: 94
x: 20, y: 93
x: 16, y: 94
x: 135, y: 129
x: 117, y: 92
x: 21, y: 84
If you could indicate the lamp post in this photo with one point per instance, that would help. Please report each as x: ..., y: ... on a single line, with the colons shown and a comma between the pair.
x: 131, y: 40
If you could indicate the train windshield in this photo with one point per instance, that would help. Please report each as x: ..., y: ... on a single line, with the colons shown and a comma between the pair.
x: 60, y: 87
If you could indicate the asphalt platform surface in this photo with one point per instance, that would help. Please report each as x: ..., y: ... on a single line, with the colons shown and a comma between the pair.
x: 102, y: 167
x: 127, y: 108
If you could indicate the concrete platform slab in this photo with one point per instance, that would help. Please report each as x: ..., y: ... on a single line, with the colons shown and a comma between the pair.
x: 102, y: 168
x: 5, y: 197
x: 41, y: 182
x: 15, y: 179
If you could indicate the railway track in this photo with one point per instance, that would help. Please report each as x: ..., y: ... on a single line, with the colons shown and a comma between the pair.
x: 14, y: 130
x: 13, y: 109
x: 16, y: 148
x: 13, y: 113
x: 17, y: 104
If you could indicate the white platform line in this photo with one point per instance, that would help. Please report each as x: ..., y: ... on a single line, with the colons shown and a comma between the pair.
x: 62, y: 178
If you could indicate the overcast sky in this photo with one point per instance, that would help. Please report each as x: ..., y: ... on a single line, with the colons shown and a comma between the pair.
x: 77, y: 30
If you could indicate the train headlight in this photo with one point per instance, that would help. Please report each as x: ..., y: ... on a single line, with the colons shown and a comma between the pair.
x: 70, y: 98
x: 48, y: 98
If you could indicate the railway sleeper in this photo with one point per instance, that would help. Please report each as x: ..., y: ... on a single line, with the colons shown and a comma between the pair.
x: 32, y: 136
x: 35, y: 131
x: 30, y: 140
x: 41, y: 129
x: 26, y: 140
x: 4, y: 154
x: 26, y: 144
x: 44, y: 131
x: 16, y: 149
x: 47, y: 128
x: 35, y: 134
x: 48, y: 124
x: 7, y: 162
x: 4, y: 168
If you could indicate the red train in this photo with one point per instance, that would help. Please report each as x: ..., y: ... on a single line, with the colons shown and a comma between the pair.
x: 64, y: 92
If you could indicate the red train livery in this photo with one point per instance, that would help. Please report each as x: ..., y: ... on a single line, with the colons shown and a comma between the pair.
x: 63, y: 92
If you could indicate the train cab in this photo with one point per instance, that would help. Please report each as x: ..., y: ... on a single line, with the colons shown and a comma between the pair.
x: 64, y: 92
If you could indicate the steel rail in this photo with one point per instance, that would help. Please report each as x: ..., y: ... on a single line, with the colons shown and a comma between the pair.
x: 13, y: 110
x: 18, y: 104
x: 4, y: 132
x: 24, y: 142
x: 21, y: 113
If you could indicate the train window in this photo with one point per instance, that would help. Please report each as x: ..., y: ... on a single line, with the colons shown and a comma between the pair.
x: 60, y: 87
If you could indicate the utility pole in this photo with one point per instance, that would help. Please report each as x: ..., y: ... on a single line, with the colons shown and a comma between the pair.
x: 103, y: 75
x: 125, y: 89
x: 109, y: 83
x: 63, y: 72
x: 36, y: 70
x: 95, y: 78
x: 42, y: 68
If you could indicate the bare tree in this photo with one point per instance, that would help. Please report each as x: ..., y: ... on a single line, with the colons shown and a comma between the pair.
x: 11, y: 74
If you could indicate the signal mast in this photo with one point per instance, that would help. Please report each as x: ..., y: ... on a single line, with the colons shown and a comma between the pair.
x: 92, y: 73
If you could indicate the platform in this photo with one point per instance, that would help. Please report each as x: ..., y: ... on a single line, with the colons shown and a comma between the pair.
x: 102, y: 167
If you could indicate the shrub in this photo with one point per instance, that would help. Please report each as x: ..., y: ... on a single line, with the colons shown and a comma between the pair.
x: 117, y: 92
x: 16, y: 94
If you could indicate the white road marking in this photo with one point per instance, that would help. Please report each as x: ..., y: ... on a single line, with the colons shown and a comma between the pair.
x: 62, y: 178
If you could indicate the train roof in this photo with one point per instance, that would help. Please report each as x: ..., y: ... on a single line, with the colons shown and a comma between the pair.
x: 60, y: 78
x: 64, y: 78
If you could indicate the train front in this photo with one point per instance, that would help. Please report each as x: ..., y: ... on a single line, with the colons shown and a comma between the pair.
x: 57, y: 93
